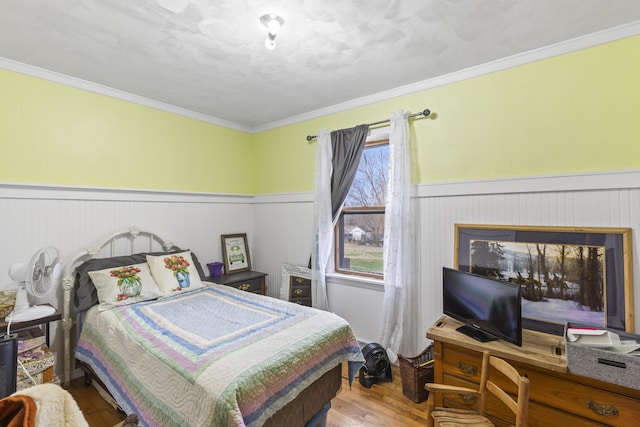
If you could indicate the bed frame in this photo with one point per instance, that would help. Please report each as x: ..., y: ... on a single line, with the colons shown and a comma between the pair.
x: 125, y: 242
x: 305, y: 408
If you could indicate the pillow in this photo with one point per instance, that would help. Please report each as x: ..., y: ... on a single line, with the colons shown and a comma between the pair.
x: 124, y: 285
x: 85, y: 295
x: 174, y: 273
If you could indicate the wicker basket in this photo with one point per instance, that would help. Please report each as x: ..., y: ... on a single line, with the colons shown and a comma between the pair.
x: 415, y: 373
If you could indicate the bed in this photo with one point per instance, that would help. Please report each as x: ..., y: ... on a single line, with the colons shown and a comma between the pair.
x: 197, y: 353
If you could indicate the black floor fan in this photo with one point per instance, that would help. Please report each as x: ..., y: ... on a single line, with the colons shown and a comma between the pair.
x: 376, y: 368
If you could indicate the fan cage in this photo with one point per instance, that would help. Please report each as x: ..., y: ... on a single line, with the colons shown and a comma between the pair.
x: 376, y: 362
x: 41, y: 274
x: 376, y: 367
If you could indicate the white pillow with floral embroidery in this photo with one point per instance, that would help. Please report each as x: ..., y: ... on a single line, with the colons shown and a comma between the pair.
x: 174, y: 273
x: 124, y: 285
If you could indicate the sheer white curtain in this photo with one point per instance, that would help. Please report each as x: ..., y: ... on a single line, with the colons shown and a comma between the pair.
x: 322, y: 220
x: 338, y: 154
x: 397, y: 246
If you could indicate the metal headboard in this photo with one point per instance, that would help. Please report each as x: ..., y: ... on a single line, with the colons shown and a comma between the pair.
x: 110, y: 245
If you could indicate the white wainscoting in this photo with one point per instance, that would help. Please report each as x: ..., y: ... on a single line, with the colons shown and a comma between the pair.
x: 546, y: 201
x: 282, y: 234
x: 279, y: 229
x: 74, y: 219
x: 437, y: 216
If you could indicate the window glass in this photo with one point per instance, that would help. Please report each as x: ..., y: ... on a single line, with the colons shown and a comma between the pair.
x: 360, y: 228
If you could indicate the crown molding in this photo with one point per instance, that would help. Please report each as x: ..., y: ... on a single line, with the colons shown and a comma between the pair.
x: 561, y: 48
x: 66, y: 80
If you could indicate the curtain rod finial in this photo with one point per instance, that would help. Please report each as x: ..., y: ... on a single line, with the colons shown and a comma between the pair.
x: 426, y: 112
x: 310, y: 138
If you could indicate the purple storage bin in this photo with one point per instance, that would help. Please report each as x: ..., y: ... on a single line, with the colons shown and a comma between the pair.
x: 215, y: 268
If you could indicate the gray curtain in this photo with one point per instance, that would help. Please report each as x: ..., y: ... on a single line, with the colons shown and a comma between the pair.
x: 347, y: 146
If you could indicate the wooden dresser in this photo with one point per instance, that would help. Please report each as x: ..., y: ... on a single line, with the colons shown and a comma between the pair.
x: 300, y: 290
x: 250, y: 281
x: 557, y: 398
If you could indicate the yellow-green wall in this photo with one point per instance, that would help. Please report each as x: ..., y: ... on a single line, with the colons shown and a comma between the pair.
x: 577, y: 112
x: 56, y: 134
x: 572, y: 113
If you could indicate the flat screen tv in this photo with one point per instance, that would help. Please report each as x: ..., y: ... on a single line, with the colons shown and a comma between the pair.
x: 490, y: 309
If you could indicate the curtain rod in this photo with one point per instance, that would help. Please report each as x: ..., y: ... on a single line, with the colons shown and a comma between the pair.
x: 424, y: 112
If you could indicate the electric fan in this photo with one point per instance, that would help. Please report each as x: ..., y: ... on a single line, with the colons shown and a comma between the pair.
x: 36, y: 277
x: 376, y: 368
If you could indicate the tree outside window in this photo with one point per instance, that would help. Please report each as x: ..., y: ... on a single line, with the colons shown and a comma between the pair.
x: 360, y: 227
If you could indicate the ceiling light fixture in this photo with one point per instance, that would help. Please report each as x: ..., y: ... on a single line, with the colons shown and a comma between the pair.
x: 273, y: 22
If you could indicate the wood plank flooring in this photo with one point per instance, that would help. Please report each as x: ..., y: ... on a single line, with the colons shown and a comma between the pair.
x: 381, y: 405
x: 97, y: 411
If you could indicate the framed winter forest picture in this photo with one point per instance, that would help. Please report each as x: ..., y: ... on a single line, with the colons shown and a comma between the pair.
x: 568, y: 274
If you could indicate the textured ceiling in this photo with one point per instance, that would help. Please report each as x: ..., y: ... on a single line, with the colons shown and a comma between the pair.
x: 209, y: 56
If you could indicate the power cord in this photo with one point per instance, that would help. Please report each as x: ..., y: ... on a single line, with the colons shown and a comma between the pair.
x: 9, y: 318
x: 27, y: 372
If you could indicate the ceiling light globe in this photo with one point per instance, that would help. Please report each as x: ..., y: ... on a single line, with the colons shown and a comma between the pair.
x: 274, y: 26
x: 272, y: 21
x: 270, y: 44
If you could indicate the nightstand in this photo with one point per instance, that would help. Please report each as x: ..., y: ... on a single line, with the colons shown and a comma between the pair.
x: 250, y: 281
x: 43, y: 321
x: 36, y: 360
x: 300, y: 290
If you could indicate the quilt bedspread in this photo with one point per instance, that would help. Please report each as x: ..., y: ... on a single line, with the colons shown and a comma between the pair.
x: 212, y: 357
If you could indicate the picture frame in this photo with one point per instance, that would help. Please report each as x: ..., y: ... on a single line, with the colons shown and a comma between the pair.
x: 290, y: 276
x: 569, y: 274
x: 235, y: 253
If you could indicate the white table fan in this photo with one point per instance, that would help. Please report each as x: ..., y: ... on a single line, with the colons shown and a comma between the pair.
x: 36, y: 278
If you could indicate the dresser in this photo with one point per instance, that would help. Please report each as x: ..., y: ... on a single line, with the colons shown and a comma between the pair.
x: 557, y: 397
x: 300, y: 290
x: 250, y: 281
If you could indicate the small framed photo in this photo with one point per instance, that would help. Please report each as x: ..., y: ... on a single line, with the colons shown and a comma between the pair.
x: 235, y: 253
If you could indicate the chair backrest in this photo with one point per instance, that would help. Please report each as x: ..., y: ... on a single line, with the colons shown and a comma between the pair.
x: 518, y: 406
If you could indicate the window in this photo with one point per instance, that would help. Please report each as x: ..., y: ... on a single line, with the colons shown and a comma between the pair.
x: 359, y: 230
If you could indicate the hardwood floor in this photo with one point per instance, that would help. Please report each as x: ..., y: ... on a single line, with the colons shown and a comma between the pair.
x: 381, y: 405
x: 97, y: 411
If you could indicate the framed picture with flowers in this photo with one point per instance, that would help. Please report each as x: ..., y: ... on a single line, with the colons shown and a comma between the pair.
x: 235, y: 253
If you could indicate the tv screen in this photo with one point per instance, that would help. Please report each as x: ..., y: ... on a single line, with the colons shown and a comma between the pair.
x: 490, y: 309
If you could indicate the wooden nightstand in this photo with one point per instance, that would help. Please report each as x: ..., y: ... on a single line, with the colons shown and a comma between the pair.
x: 250, y: 281
x: 300, y: 290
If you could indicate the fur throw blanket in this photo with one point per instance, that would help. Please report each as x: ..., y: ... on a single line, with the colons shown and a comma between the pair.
x: 55, y: 407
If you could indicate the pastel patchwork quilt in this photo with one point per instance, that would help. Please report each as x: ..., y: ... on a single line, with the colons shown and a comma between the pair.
x: 213, y: 357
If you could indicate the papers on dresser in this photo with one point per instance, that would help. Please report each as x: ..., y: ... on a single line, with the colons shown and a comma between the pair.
x: 603, y: 339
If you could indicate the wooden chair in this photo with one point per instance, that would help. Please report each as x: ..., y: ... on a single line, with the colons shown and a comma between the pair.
x: 449, y: 417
